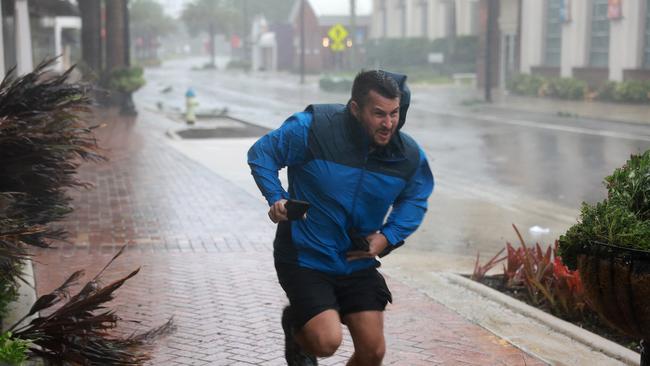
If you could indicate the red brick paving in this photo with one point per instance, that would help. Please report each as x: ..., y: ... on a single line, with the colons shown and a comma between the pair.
x: 204, y: 246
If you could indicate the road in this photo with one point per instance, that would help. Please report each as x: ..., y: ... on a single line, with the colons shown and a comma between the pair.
x: 493, y: 168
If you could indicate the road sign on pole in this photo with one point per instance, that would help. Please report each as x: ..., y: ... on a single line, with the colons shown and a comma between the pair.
x: 337, y: 34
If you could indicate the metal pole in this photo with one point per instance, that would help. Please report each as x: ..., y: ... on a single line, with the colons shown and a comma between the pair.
x: 353, y: 34
x: 302, y: 41
x: 2, y: 46
x: 488, y: 50
x: 127, y: 34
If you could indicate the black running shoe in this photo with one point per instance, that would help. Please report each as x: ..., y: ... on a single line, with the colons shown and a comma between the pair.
x: 294, y: 355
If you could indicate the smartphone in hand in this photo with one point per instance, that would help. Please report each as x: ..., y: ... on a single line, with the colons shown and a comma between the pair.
x: 296, y: 209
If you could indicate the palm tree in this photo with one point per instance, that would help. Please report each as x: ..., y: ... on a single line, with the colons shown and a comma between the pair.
x: 211, y: 16
x: 116, y: 48
x: 90, y: 35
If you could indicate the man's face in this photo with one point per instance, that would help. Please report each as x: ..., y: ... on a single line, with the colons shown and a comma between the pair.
x: 379, y: 116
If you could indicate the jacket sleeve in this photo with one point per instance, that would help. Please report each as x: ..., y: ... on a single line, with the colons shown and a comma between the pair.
x: 411, y: 205
x: 279, y: 148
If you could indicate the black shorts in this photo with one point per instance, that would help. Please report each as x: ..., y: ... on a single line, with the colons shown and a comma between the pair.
x: 311, y: 292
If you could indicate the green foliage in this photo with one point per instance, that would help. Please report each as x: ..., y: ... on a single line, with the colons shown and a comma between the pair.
x: 13, y: 351
x: 623, y: 219
x: 148, y: 19
x: 564, y: 88
x: 211, y: 16
x: 633, y: 91
x: 460, y: 56
x: 239, y: 65
x: 8, y: 292
x: 543, y: 276
x: 127, y: 80
x: 607, y: 91
x: 335, y: 84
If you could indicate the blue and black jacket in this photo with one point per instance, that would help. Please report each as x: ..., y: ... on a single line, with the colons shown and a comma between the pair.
x: 349, y: 185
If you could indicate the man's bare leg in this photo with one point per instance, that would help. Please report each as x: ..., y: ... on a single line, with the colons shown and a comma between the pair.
x: 321, y: 335
x: 367, y: 330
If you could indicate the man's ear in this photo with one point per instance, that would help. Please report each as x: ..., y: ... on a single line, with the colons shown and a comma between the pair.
x: 354, y: 109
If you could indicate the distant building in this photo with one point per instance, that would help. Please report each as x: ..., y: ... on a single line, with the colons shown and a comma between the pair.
x: 592, y: 40
x: 33, y: 30
x: 429, y: 19
x: 319, y: 18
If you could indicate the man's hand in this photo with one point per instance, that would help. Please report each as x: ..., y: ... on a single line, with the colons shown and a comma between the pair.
x: 377, y: 243
x: 278, y: 212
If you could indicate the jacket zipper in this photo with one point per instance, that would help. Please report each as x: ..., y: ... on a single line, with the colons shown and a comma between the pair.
x: 356, y: 191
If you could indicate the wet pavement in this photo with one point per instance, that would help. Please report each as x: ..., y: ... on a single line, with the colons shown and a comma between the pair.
x: 204, y: 246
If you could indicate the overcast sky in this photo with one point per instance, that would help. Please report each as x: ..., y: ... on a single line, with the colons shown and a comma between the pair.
x: 174, y: 7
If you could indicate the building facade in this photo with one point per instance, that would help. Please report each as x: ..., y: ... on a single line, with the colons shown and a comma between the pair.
x: 593, y: 40
x: 429, y: 19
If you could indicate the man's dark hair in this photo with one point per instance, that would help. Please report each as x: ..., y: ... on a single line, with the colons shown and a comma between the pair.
x: 376, y: 80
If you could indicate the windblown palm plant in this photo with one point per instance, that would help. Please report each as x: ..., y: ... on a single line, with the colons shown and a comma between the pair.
x: 43, y: 140
x: 78, y: 331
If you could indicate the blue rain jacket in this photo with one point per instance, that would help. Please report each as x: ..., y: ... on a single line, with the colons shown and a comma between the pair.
x: 330, y: 164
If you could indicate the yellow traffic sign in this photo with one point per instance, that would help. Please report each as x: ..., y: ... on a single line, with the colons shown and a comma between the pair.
x: 337, y: 34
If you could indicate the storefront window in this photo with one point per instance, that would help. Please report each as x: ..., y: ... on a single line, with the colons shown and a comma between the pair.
x: 599, y: 50
x: 553, y: 44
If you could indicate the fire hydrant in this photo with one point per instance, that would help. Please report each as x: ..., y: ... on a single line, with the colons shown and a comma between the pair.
x: 190, y: 106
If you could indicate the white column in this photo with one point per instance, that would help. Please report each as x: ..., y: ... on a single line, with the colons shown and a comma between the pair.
x: 532, y: 34
x: 58, y: 44
x: 2, y: 46
x: 24, y: 59
x: 575, y: 38
x: 625, y: 40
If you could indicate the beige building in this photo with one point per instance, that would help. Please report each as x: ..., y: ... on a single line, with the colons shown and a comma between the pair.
x: 423, y: 18
x: 594, y: 40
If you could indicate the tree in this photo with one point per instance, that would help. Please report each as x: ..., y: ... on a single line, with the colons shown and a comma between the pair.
x: 116, y: 47
x: 90, y: 34
x: 148, y: 23
x: 211, y: 16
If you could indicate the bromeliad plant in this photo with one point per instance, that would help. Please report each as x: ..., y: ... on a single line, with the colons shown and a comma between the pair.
x: 542, y: 275
x: 44, y: 137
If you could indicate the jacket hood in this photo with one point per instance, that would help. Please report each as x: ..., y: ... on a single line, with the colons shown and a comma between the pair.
x: 405, y: 100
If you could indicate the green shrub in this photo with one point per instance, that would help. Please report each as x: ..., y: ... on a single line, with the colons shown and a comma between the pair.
x: 8, y: 293
x: 564, y: 88
x: 126, y: 80
x: 525, y: 84
x: 335, y: 84
x: 239, y: 65
x: 607, y: 90
x: 623, y: 219
x: 633, y: 91
x: 12, y: 351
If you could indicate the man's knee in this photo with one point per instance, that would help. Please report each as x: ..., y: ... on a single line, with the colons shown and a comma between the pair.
x: 324, y: 344
x: 371, y: 355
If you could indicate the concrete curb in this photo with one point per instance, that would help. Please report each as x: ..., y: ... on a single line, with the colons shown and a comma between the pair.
x: 578, y: 334
x: 26, y: 298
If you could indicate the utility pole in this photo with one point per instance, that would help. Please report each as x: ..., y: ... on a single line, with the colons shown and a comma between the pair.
x: 491, y: 13
x: 302, y: 41
x: 353, y: 34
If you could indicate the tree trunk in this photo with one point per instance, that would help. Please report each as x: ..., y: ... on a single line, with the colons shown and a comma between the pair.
x: 90, y: 34
x: 115, y: 35
x: 213, y: 63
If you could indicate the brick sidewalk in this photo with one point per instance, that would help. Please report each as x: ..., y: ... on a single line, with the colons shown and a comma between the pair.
x: 204, y: 246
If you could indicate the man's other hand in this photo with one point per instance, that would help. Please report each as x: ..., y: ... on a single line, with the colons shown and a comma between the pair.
x: 277, y: 212
x: 377, y: 243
